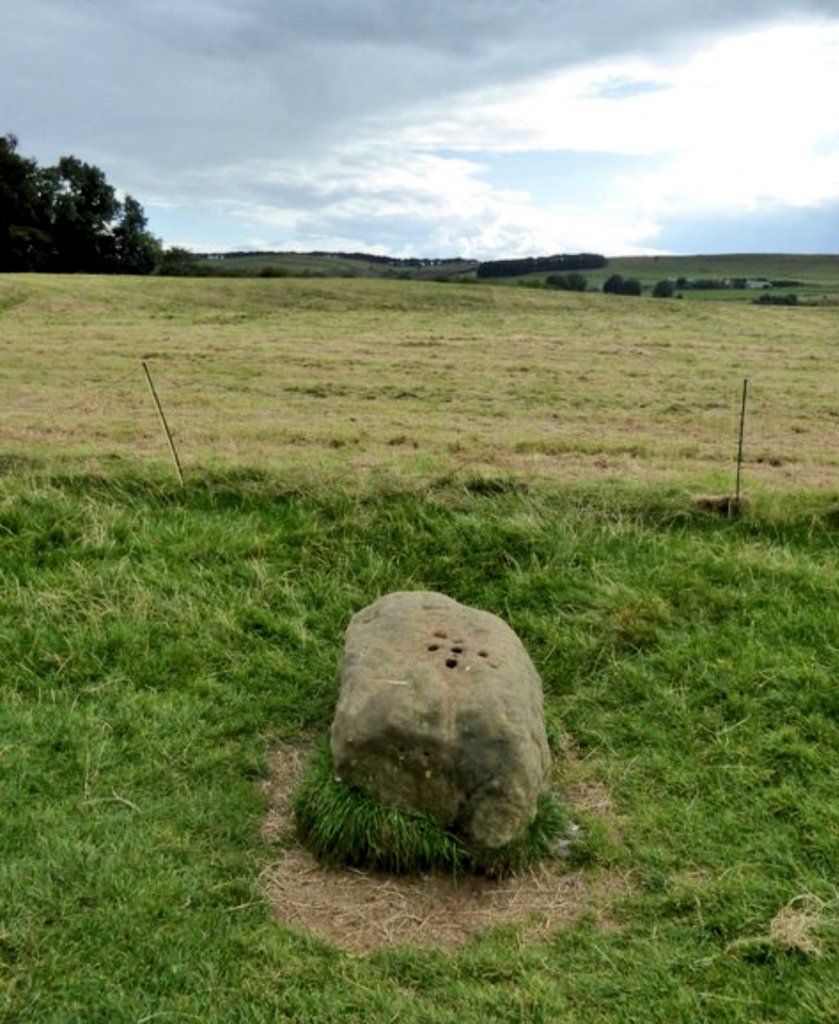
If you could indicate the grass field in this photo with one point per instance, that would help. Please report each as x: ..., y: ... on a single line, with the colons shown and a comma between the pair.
x: 814, y: 279
x: 528, y: 453
x: 349, y: 378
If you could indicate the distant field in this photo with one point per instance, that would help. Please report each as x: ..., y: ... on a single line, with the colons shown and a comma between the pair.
x: 349, y: 378
x: 815, y: 279
x: 812, y: 278
x: 331, y: 265
x: 818, y: 267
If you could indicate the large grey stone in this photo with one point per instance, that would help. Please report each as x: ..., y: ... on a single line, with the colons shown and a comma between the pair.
x: 440, y: 710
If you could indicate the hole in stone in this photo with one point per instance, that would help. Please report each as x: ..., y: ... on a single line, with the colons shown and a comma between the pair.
x: 457, y: 650
x: 434, y: 647
x: 441, y: 634
x: 483, y: 654
x: 451, y: 662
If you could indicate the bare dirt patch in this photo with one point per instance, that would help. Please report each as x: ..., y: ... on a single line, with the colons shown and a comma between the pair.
x: 362, y: 911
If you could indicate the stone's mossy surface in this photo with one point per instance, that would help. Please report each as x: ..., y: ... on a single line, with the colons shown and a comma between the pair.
x: 440, y: 711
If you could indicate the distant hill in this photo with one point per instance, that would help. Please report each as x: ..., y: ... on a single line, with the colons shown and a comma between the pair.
x: 728, y: 276
x: 813, y: 278
x: 334, y: 264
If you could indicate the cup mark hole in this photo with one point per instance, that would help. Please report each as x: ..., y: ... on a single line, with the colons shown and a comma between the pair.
x: 451, y: 662
x: 483, y: 654
x: 433, y: 647
x: 457, y: 650
x: 439, y: 633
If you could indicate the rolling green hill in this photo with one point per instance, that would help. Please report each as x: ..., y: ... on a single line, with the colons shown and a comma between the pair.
x: 322, y: 264
x: 813, y: 278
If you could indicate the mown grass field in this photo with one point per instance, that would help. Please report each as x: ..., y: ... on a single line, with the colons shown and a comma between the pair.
x: 351, y: 378
x: 157, y: 641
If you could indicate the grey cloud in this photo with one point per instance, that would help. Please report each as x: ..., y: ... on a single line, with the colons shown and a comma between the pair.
x: 275, y: 75
x: 170, y: 96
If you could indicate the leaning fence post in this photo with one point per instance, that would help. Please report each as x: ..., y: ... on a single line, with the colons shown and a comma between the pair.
x: 740, y: 442
x: 164, y: 424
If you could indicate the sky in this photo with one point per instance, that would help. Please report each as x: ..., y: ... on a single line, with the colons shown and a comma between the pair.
x: 474, y: 128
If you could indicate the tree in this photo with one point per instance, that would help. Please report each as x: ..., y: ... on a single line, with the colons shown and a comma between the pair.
x: 135, y: 250
x: 664, y: 289
x: 573, y: 282
x: 176, y: 262
x: 766, y: 299
x: 67, y: 218
x: 618, y: 285
x: 541, y: 264
x: 22, y: 210
x: 83, y: 207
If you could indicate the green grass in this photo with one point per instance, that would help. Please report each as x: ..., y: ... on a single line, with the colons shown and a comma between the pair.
x: 157, y: 641
x: 340, y: 825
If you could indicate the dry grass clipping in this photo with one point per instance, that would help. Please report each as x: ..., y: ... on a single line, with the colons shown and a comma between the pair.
x: 362, y: 910
x: 794, y: 929
x: 795, y: 925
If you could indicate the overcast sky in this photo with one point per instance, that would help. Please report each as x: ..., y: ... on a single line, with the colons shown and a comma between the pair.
x: 477, y: 128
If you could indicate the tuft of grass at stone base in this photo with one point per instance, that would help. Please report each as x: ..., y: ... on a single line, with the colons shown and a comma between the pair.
x: 340, y: 824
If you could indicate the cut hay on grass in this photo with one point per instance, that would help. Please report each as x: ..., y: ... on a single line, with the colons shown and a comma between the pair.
x: 362, y: 911
x: 796, y: 925
x: 337, y: 380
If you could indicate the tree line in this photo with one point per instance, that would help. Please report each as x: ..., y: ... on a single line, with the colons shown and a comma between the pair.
x: 68, y: 219
x: 541, y: 264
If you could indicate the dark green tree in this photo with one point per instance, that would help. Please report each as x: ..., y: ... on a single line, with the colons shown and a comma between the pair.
x: 83, y: 207
x: 23, y: 219
x: 67, y: 218
x: 135, y: 250
x: 573, y: 282
x: 616, y: 284
x: 176, y: 262
x: 664, y: 289
x: 767, y: 299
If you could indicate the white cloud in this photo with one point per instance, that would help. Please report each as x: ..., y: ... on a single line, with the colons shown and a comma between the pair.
x: 378, y: 124
x: 747, y: 123
x: 752, y: 116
